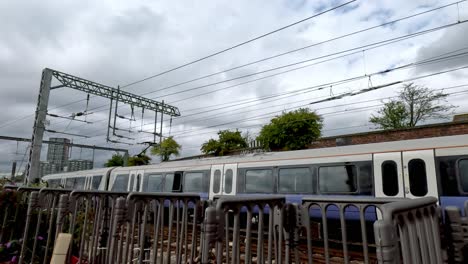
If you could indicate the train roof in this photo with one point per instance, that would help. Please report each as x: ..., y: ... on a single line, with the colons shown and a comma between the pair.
x: 78, y: 173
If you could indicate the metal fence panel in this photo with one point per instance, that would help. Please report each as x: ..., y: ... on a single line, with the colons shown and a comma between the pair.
x: 409, y: 232
x: 456, y: 234
x: 233, y: 235
x: 156, y: 228
x: 339, y: 229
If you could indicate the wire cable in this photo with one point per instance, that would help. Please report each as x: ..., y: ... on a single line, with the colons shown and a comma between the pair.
x: 238, y: 45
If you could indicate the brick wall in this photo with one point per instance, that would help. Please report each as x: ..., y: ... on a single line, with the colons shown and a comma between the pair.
x: 425, y: 131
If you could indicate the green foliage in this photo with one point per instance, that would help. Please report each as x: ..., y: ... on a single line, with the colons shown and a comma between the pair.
x: 391, y: 116
x: 167, y: 148
x: 291, y: 130
x: 228, y: 141
x: 116, y: 161
x: 413, y: 105
x: 139, y: 160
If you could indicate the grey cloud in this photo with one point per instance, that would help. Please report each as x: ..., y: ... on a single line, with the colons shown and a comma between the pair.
x: 451, y: 40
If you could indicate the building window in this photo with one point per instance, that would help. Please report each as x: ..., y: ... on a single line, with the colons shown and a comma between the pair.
x: 154, y: 183
x: 390, y: 178
x: 96, y: 182
x: 217, y: 181
x: 228, y: 181
x: 120, y: 183
x: 295, y: 180
x: 417, y: 177
x: 259, y: 181
x: 338, y: 179
x: 463, y: 174
x: 193, y: 182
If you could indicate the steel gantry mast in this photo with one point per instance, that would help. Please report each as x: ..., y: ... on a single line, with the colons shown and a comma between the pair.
x: 80, y: 84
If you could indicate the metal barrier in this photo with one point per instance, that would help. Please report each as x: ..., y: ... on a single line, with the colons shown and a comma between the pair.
x: 456, y: 233
x: 88, y: 215
x: 350, y: 217
x: 409, y: 232
x: 156, y: 228
x: 13, y: 206
x: 41, y: 203
x: 117, y: 227
x: 223, y: 222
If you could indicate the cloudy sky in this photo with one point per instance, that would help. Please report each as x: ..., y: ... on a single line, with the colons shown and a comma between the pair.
x: 119, y: 42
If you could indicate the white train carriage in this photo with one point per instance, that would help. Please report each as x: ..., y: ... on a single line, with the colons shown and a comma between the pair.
x: 435, y: 166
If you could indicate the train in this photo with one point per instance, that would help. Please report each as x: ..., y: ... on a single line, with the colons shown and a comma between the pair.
x: 436, y: 166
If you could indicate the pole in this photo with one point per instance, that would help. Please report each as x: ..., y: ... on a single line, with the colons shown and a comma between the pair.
x: 160, y: 127
x: 115, y: 112
x: 155, y: 125
x: 33, y: 166
x: 13, y: 170
x: 109, y: 121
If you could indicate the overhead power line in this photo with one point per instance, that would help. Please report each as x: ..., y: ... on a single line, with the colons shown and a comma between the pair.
x: 305, y: 47
x: 379, y: 87
x: 344, y: 53
x: 265, y: 59
x: 275, y: 112
x: 409, y: 65
x: 238, y: 45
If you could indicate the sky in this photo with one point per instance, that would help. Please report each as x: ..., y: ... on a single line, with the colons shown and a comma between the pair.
x: 116, y: 43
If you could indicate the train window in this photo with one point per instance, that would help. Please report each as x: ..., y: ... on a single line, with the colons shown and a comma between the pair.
x: 96, y: 182
x: 216, y: 181
x: 154, y: 183
x: 259, y: 181
x: 138, y: 180
x: 69, y: 183
x: 53, y: 183
x: 228, y: 181
x: 79, y: 183
x: 338, y: 179
x: 169, y: 182
x: 417, y: 177
x: 120, y: 183
x: 390, y: 178
x: 463, y: 174
x: 295, y: 180
x: 193, y: 182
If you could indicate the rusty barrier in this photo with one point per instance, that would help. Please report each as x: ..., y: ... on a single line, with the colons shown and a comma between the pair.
x: 456, y: 233
x: 409, y: 232
x: 229, y: 238
x: 118, y: 227
x: 342, y: 226
x: 157, y: 228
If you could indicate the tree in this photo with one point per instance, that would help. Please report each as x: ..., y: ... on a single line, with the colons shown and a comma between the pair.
x: 228, y: 141
x: 291, y: 130
x: 116, y: 161
x: 139, y: 160
x: 167, y: 148
x: 414, y: 104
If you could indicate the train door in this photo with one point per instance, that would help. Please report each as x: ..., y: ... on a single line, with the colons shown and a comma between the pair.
x: 388, y: 175
x: 135, y: 180
x: 229, y: 179
x: 419, y: 174
x: 216, y: 179
x: 87, y: 185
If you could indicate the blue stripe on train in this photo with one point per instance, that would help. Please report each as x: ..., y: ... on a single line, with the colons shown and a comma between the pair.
x: 458, y: 201
x: 351, y: 213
